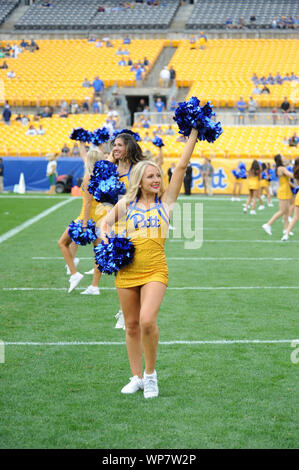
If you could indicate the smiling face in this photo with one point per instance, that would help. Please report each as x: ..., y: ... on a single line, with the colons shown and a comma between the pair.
x: 151, y: 180
x: 119, y: 149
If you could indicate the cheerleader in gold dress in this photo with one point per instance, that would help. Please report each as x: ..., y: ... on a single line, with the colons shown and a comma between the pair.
x: 254, y: 176
x: 295, y: 217
x: 141, y: 286
x: 284, y: 194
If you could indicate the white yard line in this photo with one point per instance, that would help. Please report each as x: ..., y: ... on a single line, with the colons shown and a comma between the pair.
x: 31, y: 221
x: 121, y: 343
x: 200, y: 288
x: 183, y: 240
x: 180, y: 258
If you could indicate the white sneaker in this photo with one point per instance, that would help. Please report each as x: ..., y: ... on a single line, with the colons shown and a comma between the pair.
x: 285, y: 238
x: 267, y: 229
x: 120, y: 324
x: 233, y: 199
x: 270, y: 204
x: 291, y: 233
x: 91, y: 290
x: 150, y: 383
x: 171, y: 227
x: 289, y: 218
x: 74, y: 281
x: 238, y: 199
x: 133, y: 386
x: 76, y: 262
x: 252, y: 212
x: 245, y: 209
x: 89, y: 272
x: 261, y: 208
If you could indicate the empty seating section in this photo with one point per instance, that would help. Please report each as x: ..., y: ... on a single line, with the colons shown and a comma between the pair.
x: 210, y: 14
x: 83, y: 15
x: 222, y: 72
x: 57, y: 70
x: 14, y: 142
x: 235, y: 142
x: 6, y: 7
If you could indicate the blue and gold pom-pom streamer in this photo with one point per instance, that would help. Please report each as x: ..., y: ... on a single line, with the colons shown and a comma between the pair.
x: 100, y: 136
x: 80, y: 236
x: 158, y: 142
x: 190, y: 114
x: 112, y: 256
x: 126, y: 131
x: 104, y: 183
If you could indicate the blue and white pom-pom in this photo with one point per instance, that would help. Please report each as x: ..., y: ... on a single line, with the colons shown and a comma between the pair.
x: 126, y: 131
x: 190, y: 114
x: 104, y: 183
x: 158, y: 142
x: 100, y: 136
x: 242, y: 171
x: 81, y: 134
x: 79, y: 236
x: 111, y: 257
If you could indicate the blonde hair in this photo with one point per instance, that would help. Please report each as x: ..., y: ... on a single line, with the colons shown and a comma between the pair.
x: 92, y: 156
x: 135, y: 180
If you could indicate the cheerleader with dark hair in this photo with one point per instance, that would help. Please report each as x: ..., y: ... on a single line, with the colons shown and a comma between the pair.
x: 254, y: 176
x: 265, y: 183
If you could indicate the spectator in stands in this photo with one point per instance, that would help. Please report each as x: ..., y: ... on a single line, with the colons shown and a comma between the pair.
x: 242, y: 23
x: 228, y: 22
x: 25, y: 120
x: 139, y: 75
x: 292, y: 115
x: 40, y: 130
x: 33, y: 46
x: 164, y: 77
x: 74, y: 107
x: 141, y: 105
x: 241, y: 107
x: 188, y: 180
x: 31, y: 130
x: 47, y: 112
x: 127, y: 40
x: 11, y: 74
x: 4, y: 65
x: 146, y: 123
x: 252, y: 108
x: 284, y: 107
x: 265, y: 90
x: 172, y: 104
x: 147, y: 137
x: 24, y: 44
x: 207, y: 172
x: 19, y: 118
x: 6, y: 115
x: 98, y: 86
x: 146, y: 62
x: 1, y: 175
x: 95, y: 107
x: 65, y: 151
x: 202, y: 40
x: 159, y: 105
x: 169, y: 131
x: 274, y: 116
x: 86, y: 83
x: 75, y: 150
x: 122, y: 62
x: 192, y: 42
x: 85, y: 105
x: 172, y: 73
x: 293, y: 141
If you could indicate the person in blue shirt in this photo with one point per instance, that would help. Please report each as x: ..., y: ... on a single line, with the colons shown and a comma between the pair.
x: 159, y: 105
x: 98, y: 85
x: 139, y: 75
x: 122, y: 62
x: 241, y: 106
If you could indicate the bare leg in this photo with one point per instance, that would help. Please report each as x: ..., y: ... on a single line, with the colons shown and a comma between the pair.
x: 283, y: 210
x: 64, y: 244
x: 293, y: 221
x: 130, y: 304
x: 151, y: 298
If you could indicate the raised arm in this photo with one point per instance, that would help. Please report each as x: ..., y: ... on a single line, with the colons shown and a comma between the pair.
x: 88, y: 200
x: 160, y: 158
x: 83, y: 151
x: 171, y: 193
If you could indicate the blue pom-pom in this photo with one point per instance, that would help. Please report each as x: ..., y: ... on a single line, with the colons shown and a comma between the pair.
x: 100, y: 136
x: 158, y: 142
x: 126, y: 131
x: 236, y: 174
x: 104, y: 183
x: 111, y: 257
x: 190, y: 114
x: 295, y: 190
x: 79, y: 236
x: 81, y: 134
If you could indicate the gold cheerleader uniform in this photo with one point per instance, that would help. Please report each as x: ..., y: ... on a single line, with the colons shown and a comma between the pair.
x: 147, y: 230
x: 253, y: 182
x: 97, y: 210
x: 126, y: 177
x: 297, y: 199
x: 284, y: 190
x: 264, y: 182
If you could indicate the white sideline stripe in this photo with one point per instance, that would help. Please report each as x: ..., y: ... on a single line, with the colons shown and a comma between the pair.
x: 32, y: 196
x: 171, y: 258
x: 121, y: 343
x: 31, y: 221
x: 169, y: 288
x: 183, y: 240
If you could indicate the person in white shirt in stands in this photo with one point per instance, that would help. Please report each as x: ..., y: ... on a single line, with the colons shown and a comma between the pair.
x: 31, y: 131
x: 164, y: 77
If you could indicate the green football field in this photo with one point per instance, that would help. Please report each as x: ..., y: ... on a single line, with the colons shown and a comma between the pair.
x: 227, y: 360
